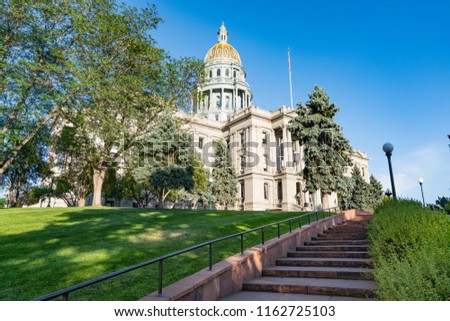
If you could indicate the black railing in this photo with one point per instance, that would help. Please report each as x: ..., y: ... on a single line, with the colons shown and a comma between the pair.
x: 65, y: 292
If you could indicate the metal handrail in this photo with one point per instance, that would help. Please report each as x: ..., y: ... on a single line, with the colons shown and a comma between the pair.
x: 65, y: 292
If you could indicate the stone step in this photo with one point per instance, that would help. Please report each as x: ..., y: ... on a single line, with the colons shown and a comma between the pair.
x: 333, y: 248
x: 319, y: 272
x: 329, y: 262
x: 275, y: 296
x: 353, y: 254
x: 336, y: 242
x: 319, y: 286
x: 338, y: 238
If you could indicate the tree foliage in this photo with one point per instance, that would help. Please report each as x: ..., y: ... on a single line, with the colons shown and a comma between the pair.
x: 74, y: 177
x: 363, y: 195
x: 162, y: 160
x: 326, y: 150
x: 90, y: 64
x: 360, y: 193
x: 224, y: 176
x: 29, y: 167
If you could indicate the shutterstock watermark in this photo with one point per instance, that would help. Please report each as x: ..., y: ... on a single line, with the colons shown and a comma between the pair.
x: 249, y: 154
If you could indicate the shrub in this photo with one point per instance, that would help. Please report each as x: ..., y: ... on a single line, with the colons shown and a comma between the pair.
x: 409, y: 247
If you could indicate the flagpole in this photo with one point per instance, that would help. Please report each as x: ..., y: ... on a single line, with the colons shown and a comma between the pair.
x: 290, y: 76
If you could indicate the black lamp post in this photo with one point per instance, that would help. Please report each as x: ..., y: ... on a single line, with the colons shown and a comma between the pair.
x: 388, y: 148
x: 388, y: 193
x: 421, y: 190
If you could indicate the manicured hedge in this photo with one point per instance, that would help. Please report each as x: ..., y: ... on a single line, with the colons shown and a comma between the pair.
x: 410, y: 250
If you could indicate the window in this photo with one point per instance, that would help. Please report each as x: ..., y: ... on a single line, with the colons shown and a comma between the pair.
x: 218, y: 72
x: 226, y: 51
x: 227, y: 73
x: 242, y: 163
x: 200, y: 142
x: 266, y: 162
x: 264, y: 139
x: 242, y: 138
x: 280, y: 191
x: 227, y: 102
x: 210, y: 74
x: 234, y: 74
x: 218, y: 51
x: 217, y: 117
x: 266, y: 191
x: 242, y: 191
x: 218, y: 102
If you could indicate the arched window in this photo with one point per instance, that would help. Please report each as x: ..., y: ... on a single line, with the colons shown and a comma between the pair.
x: 227, y: 73
x: 218, y: 72
x: 234, y: 74
x: 210, y: 74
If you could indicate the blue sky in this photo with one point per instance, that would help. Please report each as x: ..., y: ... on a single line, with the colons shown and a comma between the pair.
x: 386, y: 64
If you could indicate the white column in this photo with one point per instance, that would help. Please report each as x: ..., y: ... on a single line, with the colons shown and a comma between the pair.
x: 289, y: 147
x: 285, y: 149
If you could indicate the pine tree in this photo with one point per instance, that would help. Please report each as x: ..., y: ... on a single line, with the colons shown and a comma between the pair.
x: 375, y: 193
x: 359, y: 198
x: 224, y: 176
x: 165, y: 158
x: 326, y: 150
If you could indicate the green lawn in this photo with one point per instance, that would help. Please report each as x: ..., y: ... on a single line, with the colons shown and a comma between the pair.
x: 47, y: 249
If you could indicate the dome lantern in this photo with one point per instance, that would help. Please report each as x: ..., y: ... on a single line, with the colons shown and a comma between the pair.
x: 223, y: 33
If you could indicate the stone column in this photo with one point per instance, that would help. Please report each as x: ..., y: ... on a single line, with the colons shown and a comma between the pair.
x: 285, y: 148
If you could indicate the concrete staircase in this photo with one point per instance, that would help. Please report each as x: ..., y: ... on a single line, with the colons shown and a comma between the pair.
x: 334, y: 265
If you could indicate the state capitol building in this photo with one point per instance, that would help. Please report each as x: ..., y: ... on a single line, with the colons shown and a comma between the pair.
x: 266, y: 156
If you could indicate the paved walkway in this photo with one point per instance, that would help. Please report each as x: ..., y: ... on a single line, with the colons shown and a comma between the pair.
x: 334, y: 266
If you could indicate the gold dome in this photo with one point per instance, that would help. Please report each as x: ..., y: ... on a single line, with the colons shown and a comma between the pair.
x: 222, y: 50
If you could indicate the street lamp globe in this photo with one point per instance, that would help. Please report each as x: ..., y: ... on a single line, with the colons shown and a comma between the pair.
x: 210, y: 179
x: 388, y: 148
x: 421, y: 181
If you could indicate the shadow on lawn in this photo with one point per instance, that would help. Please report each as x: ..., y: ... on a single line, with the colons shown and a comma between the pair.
x: 78, y: 245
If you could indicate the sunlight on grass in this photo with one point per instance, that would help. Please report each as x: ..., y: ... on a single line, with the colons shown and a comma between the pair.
x: 47, y: 249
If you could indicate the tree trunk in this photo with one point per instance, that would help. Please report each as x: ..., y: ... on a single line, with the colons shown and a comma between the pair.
x: 99, y: 178
x: 325, y: 204
x: 82, y: 202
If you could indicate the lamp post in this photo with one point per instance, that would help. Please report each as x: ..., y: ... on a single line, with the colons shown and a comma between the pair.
x: 388, y: 193
x: 388, y: 148
x: 421, y: 190
x: 210, y: 191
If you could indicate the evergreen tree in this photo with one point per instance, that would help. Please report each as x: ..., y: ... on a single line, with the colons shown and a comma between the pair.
x: 359, y: 198
x: 326, y: 150
x: 375, y: 193
x: 164, y: 162
x: 224, y: 176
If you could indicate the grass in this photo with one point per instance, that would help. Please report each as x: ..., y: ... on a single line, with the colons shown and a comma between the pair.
x: 410, y: 250
x: 47, y: 249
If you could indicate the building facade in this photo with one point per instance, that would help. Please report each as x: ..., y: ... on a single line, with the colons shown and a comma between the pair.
x: 267, y: 157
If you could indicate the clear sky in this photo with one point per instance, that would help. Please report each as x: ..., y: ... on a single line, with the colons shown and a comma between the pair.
x: 386, y: 64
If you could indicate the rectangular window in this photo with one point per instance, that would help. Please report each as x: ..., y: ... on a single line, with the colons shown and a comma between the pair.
x: 264, y: 139
x: 266, y: 162
x: 280, y: 191
x: 266, y: 191
x: 200, y: 142
x: 242, y: 163
x: 242, y: 191
x: 242, y: 138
